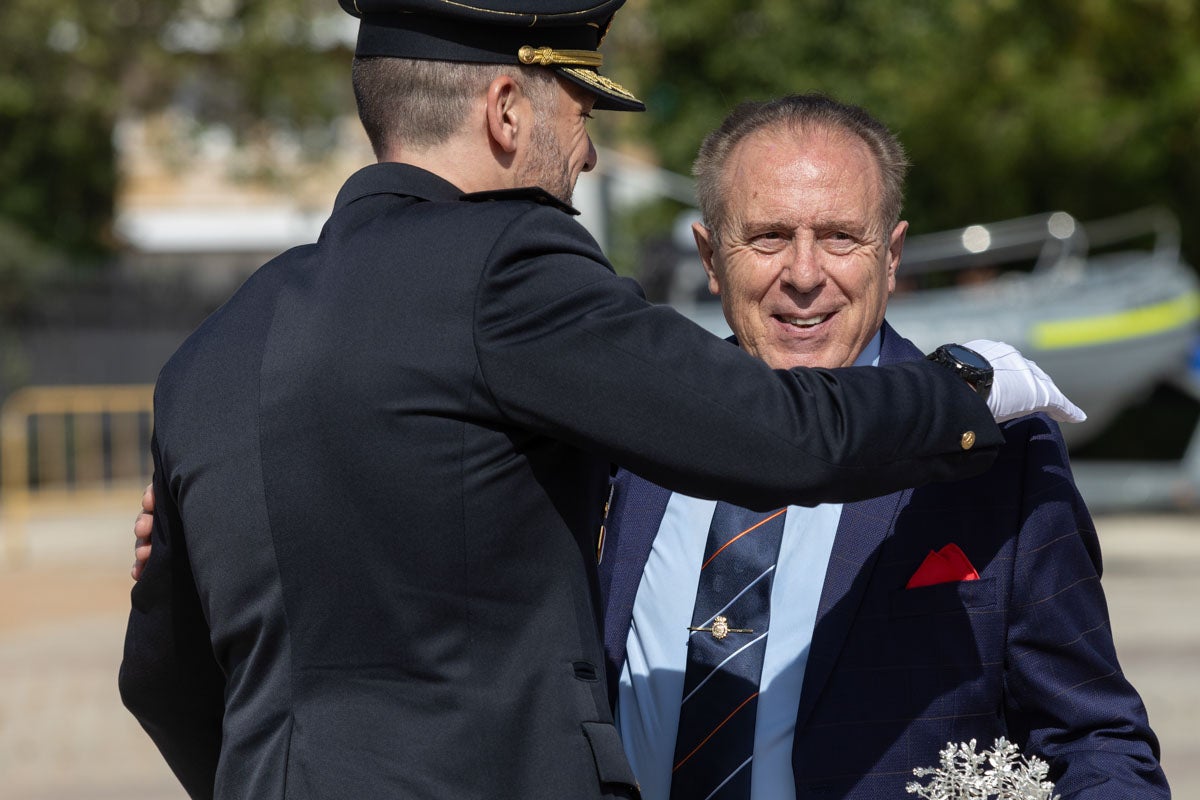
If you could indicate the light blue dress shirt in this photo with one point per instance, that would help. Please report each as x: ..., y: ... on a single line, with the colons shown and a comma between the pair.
x: 651, y: 683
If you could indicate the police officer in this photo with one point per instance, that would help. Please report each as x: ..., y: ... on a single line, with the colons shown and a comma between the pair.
x: 381, y: 466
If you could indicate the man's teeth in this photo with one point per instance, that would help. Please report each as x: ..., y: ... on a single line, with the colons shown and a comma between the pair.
x: 805, y: 322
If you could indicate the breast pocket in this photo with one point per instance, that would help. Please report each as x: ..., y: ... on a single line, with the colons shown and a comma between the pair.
x: 944, y: 598
x: 951, y: 628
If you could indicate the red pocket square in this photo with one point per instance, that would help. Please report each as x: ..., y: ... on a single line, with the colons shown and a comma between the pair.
x: 948, y: 565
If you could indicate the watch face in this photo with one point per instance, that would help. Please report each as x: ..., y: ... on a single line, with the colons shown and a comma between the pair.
x: 967, y: 356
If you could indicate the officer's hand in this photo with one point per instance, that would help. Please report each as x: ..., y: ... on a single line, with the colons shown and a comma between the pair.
x: 1019, y: 387
x: 141, y: 533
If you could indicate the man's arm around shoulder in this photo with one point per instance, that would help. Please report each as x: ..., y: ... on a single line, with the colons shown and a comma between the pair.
x: 169, y: 678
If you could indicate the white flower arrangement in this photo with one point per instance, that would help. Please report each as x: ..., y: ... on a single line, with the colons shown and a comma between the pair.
x: 1000, y: 773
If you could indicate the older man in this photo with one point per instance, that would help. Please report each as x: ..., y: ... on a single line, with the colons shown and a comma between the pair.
x: 380, y: 467
x: 956, y: 611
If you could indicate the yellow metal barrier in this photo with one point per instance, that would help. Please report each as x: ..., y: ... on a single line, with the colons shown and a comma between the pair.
x: 64, y: 444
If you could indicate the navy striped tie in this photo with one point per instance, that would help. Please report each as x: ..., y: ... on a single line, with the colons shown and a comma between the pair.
x: 714, y: 746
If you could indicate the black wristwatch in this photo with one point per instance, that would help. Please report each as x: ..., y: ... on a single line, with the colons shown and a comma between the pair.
x: 970, y: 366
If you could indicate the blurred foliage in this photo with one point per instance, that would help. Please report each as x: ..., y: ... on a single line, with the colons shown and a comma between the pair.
x: 1007, y: 107
x: 70, y: 70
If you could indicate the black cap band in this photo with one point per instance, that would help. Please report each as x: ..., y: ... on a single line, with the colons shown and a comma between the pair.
x: 442, y: 39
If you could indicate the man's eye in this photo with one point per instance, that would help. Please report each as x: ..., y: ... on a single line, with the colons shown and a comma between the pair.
x: 769, y: 241
x: 841, y: 240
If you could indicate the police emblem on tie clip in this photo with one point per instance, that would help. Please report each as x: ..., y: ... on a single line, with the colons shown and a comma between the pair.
x: 720, y: 628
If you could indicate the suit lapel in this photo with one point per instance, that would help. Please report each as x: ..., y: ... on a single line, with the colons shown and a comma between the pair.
x: 861, y: 530
x: 635, y: 513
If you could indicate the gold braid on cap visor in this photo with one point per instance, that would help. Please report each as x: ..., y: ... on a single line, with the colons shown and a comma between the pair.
x: 598, y: 81
x: 549, y: 57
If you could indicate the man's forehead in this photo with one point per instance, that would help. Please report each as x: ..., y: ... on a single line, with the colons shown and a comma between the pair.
x: 820, y: 175
x: 788, y: 144
x: 753, y: 218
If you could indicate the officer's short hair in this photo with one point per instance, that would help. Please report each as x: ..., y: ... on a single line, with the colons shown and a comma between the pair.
x: 418, y: 103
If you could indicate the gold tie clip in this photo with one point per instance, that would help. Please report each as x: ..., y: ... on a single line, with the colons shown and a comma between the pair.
x: 720, y: 628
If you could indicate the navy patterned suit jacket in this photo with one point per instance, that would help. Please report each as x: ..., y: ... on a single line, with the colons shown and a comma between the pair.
x: 894, y: 674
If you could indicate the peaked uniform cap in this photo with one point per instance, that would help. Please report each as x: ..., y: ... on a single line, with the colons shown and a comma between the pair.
x: 564, y: 35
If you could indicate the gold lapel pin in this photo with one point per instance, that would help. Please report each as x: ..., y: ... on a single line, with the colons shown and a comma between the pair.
x: 720, y: 628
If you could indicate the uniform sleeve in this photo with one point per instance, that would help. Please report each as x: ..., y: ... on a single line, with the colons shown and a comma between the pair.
x: 569, y: 349
x: 169, y: 678
x: 1066, y: 695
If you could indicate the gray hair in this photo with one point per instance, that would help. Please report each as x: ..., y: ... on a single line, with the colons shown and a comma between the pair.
x: 406, y: 102
x: 800, y: 112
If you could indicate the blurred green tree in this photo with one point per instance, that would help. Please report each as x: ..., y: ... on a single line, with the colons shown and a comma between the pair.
x: 1007, y: 107
x: 70, y: 70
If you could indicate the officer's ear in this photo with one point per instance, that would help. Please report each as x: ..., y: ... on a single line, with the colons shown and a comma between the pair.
x: 505, y: 113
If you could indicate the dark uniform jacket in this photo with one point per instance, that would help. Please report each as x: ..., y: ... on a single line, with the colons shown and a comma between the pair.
x: 380, y: 472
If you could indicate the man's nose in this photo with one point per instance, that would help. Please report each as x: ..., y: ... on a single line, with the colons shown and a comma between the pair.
x: 589, y: 163
x: 803, y: 271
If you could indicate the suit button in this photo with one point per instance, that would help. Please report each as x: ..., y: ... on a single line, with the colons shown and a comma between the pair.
x: 968, y: 440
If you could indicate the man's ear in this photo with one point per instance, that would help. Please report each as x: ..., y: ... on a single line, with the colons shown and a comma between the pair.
x: 504, y: 117
x: 895, y: 250
x: 706, y: 246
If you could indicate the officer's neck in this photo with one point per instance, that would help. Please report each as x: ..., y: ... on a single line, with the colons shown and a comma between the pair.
x: 455, y: 161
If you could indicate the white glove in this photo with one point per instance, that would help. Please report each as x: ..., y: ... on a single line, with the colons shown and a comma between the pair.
x: 1020, y: 387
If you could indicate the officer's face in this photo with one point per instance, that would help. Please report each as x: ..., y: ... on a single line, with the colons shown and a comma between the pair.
x: 804, y: 267
x: 560, y: 145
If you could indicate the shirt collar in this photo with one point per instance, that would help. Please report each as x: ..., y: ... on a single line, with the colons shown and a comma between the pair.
x: 869, y: 357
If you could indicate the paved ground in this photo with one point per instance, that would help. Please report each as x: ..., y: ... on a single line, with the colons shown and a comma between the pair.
x: 63, y: 732
x: 65, y: 736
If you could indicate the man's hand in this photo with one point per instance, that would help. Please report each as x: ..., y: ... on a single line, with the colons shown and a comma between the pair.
x: 1019, y: 387
x: 141, y: 533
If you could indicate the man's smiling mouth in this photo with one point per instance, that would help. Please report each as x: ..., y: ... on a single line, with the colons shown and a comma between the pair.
x: 802, y: 322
